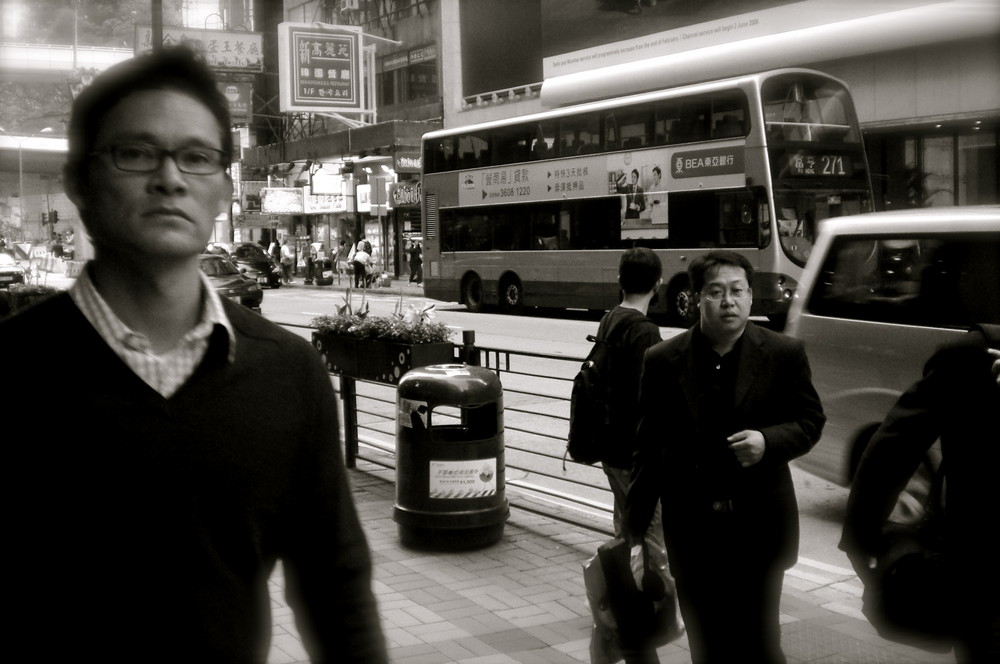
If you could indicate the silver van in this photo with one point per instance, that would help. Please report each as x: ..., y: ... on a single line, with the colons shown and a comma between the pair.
x: 880, y: 292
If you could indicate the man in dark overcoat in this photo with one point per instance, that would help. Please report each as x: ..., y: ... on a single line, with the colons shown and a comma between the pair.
x: 724, y: 407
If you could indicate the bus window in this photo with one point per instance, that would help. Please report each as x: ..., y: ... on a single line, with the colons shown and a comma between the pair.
x: 446, y: 231
x: 511, y: 145
x: 683, y: 122
x: 692, y: 123
x: 543, y: 144
x: 714, y: 219
x: 694, y: 219
x: 729, y: 116
x: 544, y: 229
x: 628, y: 129
x: 666, y: 116
x: 439, y: 155
x: 808, y: 109
x: 472, y: 233
x: 510, y: 232
x: 473, y: 151
x: 580, y: 135
x: 738, y: 220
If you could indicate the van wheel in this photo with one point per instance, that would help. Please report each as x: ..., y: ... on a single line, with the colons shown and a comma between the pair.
x: 681, y: 308
x: 511, y: 296
x: 472, y: 294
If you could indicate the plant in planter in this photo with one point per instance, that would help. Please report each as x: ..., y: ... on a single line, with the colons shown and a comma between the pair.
x: 381, y: 348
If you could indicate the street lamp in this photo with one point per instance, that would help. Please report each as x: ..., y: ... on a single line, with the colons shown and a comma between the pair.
x: 20, y: 170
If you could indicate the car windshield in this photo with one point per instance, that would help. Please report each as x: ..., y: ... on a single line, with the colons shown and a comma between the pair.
x: 214, y: 267
x: 250, y: 251
x: 7, y: 259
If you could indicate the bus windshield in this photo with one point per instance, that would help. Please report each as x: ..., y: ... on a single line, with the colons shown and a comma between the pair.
x: 818, y: 164
x: 800, y: 213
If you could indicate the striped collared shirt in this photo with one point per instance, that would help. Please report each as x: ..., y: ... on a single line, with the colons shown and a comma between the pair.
x: 166, y: 372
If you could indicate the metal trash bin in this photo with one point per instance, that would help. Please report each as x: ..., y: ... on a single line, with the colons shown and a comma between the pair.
x: 323, y: 271
x: 450, y: 457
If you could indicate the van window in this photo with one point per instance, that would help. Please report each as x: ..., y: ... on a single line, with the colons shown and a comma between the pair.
x: 939, y: 281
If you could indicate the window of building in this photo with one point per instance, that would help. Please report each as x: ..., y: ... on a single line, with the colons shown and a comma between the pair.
x: 936, y: 168
x: 407, y: 76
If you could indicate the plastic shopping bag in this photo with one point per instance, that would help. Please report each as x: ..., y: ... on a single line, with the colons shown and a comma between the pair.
x: 626, y: 615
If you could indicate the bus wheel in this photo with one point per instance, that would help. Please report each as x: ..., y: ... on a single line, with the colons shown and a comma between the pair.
x: 472, y: 294
x: 681, y: 308
x: 511, y: 295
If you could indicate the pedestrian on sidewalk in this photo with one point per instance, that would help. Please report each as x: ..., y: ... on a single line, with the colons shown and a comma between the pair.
x: 287, y: 261
x: 343, y: 260
x: 275, y: 250
x: 157, y: 507
x: 723, y: 408
x: 360, y: 263
x: 630, y: 332
x: 956, y: 402
x: 416, y: 262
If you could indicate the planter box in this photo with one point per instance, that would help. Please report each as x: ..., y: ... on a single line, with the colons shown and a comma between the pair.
x: 379, y: 361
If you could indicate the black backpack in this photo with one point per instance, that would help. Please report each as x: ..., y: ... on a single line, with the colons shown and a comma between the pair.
x: 589, y: 410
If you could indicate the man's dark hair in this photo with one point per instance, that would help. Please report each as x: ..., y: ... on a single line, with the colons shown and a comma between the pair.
x: 638, y: 270
x: 704, y: 264
x: 175, y: 68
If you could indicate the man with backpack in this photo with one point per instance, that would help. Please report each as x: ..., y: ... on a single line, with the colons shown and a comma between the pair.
x: 628, y: 332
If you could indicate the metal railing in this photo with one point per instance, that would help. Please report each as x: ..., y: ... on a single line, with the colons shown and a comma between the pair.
x: 536, y: 391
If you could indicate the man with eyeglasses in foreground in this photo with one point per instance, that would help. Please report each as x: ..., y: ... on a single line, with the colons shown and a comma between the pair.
x: 723, y: 408
x: 156, y: 494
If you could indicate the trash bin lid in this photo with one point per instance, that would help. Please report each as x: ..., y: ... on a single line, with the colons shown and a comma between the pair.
x: 452, y: 384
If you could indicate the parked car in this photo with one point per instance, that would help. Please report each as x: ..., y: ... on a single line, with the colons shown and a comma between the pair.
x: 10, y: 272
x: 257, y: 263
x: 230, y: 282
x: 879, y: 294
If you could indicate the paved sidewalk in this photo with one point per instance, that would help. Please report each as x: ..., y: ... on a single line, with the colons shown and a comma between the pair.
x: 522, y: 600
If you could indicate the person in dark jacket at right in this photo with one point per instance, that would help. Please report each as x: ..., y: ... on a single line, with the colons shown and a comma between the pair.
x: 956, y: 400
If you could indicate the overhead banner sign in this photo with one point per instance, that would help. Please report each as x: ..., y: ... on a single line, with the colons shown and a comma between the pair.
x: 323, y: 203
x: 282, y: 200
x: 319, y: 68
x: 235, y: 51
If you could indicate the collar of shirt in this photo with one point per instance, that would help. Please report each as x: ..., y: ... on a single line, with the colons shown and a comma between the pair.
x: 166, y: 372
x: 703, y: 349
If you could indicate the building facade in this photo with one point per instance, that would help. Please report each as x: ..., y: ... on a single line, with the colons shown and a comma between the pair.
x: 925, y: 76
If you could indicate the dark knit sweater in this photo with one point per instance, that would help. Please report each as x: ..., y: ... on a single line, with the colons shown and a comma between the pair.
x: 158, y: 521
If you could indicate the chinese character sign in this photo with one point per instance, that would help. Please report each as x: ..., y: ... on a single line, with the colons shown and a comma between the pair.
x: 319, y: 67
x: 235, y: 51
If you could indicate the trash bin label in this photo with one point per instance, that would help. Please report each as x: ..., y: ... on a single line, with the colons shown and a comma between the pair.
x: 476, y: 478
x: 412, y: 413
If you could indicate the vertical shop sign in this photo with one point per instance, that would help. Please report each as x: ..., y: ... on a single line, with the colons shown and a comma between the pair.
x: 319, y: 68
x: 238, y: 95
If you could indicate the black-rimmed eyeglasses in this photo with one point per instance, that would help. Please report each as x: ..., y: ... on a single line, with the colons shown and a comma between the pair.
x: 716, y: 294
x: 141, y: 158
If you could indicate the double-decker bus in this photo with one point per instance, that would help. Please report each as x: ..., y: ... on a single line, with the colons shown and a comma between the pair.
x: 534, y: 211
